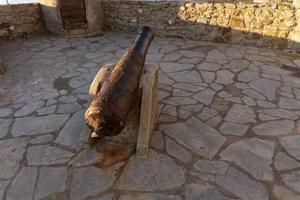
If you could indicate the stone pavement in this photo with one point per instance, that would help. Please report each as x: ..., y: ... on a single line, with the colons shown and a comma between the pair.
x: 229, y: 126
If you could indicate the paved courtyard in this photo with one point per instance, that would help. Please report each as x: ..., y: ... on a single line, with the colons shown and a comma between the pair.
x: 229, y: 126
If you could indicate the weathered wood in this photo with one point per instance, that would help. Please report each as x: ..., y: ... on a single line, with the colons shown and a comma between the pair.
x: 148, y: 114
x: 100, y: 78
x: 107, y: 113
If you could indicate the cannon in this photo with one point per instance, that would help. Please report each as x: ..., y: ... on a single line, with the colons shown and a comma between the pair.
x: 125, y: 98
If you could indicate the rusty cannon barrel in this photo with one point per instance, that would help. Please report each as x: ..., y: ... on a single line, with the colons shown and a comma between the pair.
x: 107, y: 113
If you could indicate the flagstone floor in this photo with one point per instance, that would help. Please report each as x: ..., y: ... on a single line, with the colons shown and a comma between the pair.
x: 229, y: 126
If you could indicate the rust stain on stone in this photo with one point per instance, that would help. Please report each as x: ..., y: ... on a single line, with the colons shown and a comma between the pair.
x: 111, y: 154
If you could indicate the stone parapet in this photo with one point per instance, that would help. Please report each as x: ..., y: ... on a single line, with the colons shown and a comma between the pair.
x: 267, y: 24
x: 20, y: 20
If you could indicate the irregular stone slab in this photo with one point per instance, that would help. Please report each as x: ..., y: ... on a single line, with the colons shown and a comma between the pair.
x: 196, y: 136
x: 289, y: 103
x: 51, y: 180
x: 191, y: 54
x: 180, y: 101
x: 67, y: 99
x: 291, y: 81
x: 174, y: 67
x: 253, y: 155
x: 91, y: 181
x: 188, y: 87
x: 224, y: 77
x: 157, y: 140
x: 296, y: 92
x: 163, y: 79
x: 235, y: 52
x: 203, y: 192
x: 214, y: 121
x: 77, y: 82
x: 266, y: 87
x: 292, y: 180
x: 212, y: 167
x: 29, y: 108
x: 274, y: 70
x: 208, y: 66
x: 234, y: 99
x: 216, y: 56
x: 51, y: 102
x: 68, y: 108
x: 162, y: 94
x: 5, y: 112
x: 42, y: 139
x: 3, y: 187
x: 216, y: 87
x: 297, y: 62
x: 4, y: 127
x: 185, y: 111
x: 186, y: 76
x: 203, y: 176
x: 11, y: 152
x: 242, y: 186
x: 169, y: 110
x: 46, y: 110
x: 254, y: 94
x: 285, y: 162
x: 23, y: 185
x: 149, y: 196
x: 229, y: 128
x: 271, y: 76
x: 177, y: 151
x: 47, y: 155
x: 207, y: 113
x: 172, y: 56
x: 206, y: 96
x: 282, y: 193
x: 85, y: 157
x: 246, y: 76
x: 157, y: 172
x: 240, y: 114
x: 274, y: 128
x: 236, y: 65
x: 292, y: 145
x: 73, y: 131
x: 38, y: 125
x: 106, y: 197
x: 224, y: 94
x: 208, y: 76
x: 280, y: 113
x: 154, y: 57
x: 265, y: 104
x: 249, y: 101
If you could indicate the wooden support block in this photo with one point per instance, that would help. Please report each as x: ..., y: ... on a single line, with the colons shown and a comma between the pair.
x: 148, y: 109
x: 100, y: 77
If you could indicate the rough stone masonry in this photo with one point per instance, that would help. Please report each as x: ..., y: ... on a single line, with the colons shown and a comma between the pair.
x: 268, y: 24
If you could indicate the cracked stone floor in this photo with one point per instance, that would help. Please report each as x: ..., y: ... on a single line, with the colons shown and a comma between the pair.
x: 229, y: 126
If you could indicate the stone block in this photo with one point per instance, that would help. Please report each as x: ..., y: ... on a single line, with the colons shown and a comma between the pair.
x: 2, y: 68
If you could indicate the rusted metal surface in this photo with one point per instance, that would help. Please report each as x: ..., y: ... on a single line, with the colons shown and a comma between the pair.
x: 107, y: 113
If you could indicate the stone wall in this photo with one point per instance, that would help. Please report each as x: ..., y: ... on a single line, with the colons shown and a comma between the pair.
x: 240, y: 22
x: 20, y: 20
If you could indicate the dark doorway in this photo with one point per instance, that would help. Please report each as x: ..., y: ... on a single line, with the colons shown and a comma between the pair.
x: 73, y: 14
